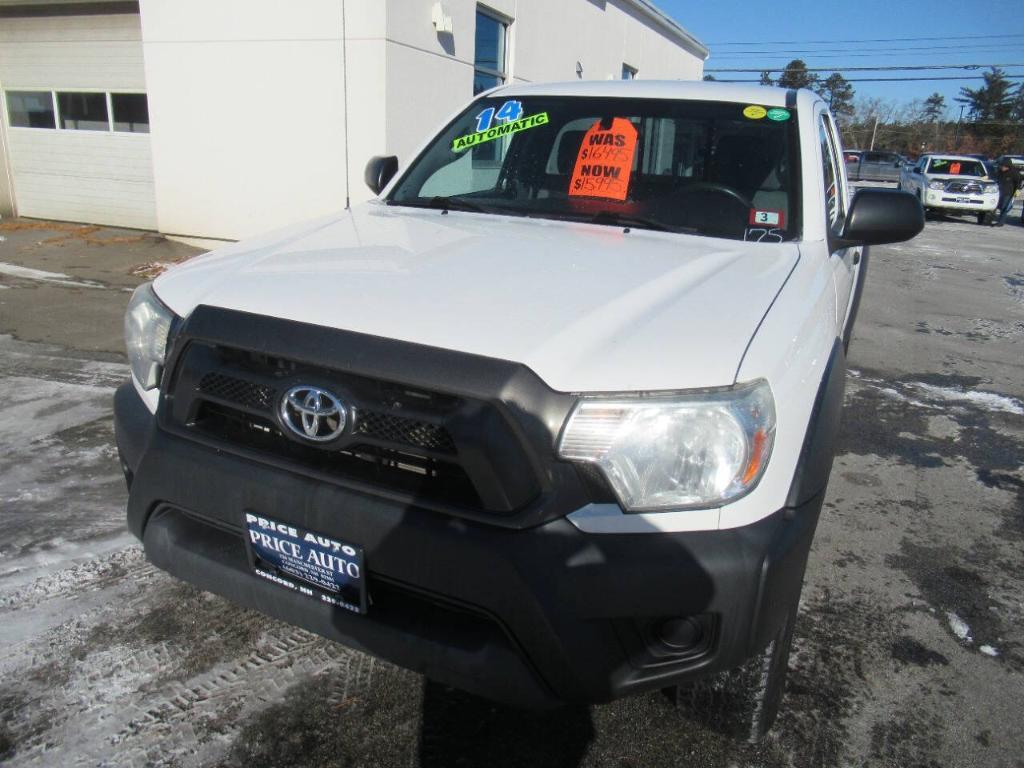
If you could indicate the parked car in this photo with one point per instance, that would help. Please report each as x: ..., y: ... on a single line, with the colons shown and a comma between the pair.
x: 953, y: 184
x: 551, y: 419
x: 1017, y: 161
x: 874, y: 166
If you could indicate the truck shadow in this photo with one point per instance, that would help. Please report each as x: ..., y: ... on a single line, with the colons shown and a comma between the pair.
x: 459, y: 729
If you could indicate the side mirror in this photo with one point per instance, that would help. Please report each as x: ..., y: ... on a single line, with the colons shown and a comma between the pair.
x: 879, y: 216
x: 379, y: 171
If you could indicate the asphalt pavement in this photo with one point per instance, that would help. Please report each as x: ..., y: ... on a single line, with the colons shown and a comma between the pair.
x: 909, y: 647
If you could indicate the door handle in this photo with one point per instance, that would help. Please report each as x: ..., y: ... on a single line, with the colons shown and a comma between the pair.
x: 856, y: 257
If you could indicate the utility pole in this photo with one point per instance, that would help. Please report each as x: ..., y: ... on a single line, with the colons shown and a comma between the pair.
x: 874, y: 131
x: 956, y: 137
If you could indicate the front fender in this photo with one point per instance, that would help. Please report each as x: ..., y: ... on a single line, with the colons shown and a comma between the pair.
x: 794, y: 350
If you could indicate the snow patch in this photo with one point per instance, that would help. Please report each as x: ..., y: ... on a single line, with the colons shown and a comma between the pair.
x: 990, y: 401
x: 959, y: 627
x: 988, y: 650
x: 48, y: 407
x: 58, y: 278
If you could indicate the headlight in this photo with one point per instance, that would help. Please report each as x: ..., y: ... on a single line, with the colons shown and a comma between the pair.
x: 936, y: 185
x: 989, y: 188
x: 686, y: 451
x: 147, y: 324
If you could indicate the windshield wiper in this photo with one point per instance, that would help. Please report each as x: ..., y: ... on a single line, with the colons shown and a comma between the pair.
x: 614, y: 219
x: 456, y: 204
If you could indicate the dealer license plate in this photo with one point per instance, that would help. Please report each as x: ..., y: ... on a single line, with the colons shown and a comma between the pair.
x: 307, y: 562
x: 963, y: 199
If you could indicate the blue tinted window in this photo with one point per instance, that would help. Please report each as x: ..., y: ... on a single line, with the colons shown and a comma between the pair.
x: 489, y: 54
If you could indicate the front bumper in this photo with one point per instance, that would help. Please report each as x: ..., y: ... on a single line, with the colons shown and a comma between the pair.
x: 953, y: 201
x: 530, y: 617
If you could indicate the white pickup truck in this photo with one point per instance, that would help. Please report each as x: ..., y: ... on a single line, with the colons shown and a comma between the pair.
x: 550, y: 419
x: 952, y: 184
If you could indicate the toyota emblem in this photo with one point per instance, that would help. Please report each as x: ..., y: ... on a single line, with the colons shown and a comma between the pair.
x: 312, y: 413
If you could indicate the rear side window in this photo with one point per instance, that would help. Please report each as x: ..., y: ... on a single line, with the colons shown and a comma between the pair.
x: 834, y: 207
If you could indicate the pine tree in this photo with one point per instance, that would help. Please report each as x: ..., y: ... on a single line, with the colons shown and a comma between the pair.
x: 935, y: 107
x: 992, y: 101
x: 795, y: 75
x: 837, y: 91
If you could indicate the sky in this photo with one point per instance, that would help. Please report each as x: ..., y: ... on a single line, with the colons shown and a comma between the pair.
x: 983, y: 31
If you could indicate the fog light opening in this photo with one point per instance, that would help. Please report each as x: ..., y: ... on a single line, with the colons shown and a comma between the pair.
x: 679, y: 634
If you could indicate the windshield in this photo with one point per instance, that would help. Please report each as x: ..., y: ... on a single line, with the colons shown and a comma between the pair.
x: 710, y: 168
x: 956, y: 167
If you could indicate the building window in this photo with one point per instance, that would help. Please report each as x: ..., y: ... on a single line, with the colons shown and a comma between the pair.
x: 628, y: 72
x: 489, y: 56
x: 78, y: 111
x: 131, y: 112
x: 31, y: 109
x: 83, y: 111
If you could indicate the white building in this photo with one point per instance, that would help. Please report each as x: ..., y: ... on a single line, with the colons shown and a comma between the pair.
x: 222, y: 118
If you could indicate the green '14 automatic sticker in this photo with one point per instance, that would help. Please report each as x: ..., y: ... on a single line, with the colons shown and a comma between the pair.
x: 778, y: 114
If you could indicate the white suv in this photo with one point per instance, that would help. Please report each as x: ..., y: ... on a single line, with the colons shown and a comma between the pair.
x: 549, y: 420
x: 952, y: 184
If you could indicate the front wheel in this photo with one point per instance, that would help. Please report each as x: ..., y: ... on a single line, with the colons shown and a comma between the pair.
x: 742, y: 702
x: 982, y: 218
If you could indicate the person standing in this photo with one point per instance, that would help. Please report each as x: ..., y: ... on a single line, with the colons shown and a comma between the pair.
x: 1008, y: 179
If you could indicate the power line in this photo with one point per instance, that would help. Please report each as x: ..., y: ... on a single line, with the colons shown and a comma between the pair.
x: 881, y: 79
x: 892, y: 68
x: 944, y: 49
x: 867, y: 40
x: 783, y: 56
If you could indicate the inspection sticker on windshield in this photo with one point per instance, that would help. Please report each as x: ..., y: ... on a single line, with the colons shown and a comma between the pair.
x: 754, y: 112
x: 767, y: 218
x: 605, y: 160
x: 462, y: 143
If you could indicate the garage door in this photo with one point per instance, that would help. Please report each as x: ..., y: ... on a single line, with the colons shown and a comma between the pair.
x: 76, y: 117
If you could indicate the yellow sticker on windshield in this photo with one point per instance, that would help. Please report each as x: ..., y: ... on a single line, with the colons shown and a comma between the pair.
x: 754, y: 112
x: 471, y: 140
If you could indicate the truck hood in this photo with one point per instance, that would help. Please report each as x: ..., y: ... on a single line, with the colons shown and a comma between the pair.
x: 965, y: 179
x: 586, y: 307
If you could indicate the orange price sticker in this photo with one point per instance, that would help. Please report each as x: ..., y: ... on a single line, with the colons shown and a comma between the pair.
x: 605, y: 161
x: 954, y: 168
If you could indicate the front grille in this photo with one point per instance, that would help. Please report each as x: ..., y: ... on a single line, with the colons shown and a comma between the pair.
x: 964, y: 187
x: 397, y: 429
x: 408, y: 473
x: 454, y: 453
x: 234, y: 390
x: 386, y: 427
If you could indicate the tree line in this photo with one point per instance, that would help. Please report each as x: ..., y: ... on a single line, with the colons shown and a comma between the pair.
x: 991, y: 120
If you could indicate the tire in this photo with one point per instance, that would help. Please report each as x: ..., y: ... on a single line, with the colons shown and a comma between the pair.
x: 742, y: 703
x: 983, y: 218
